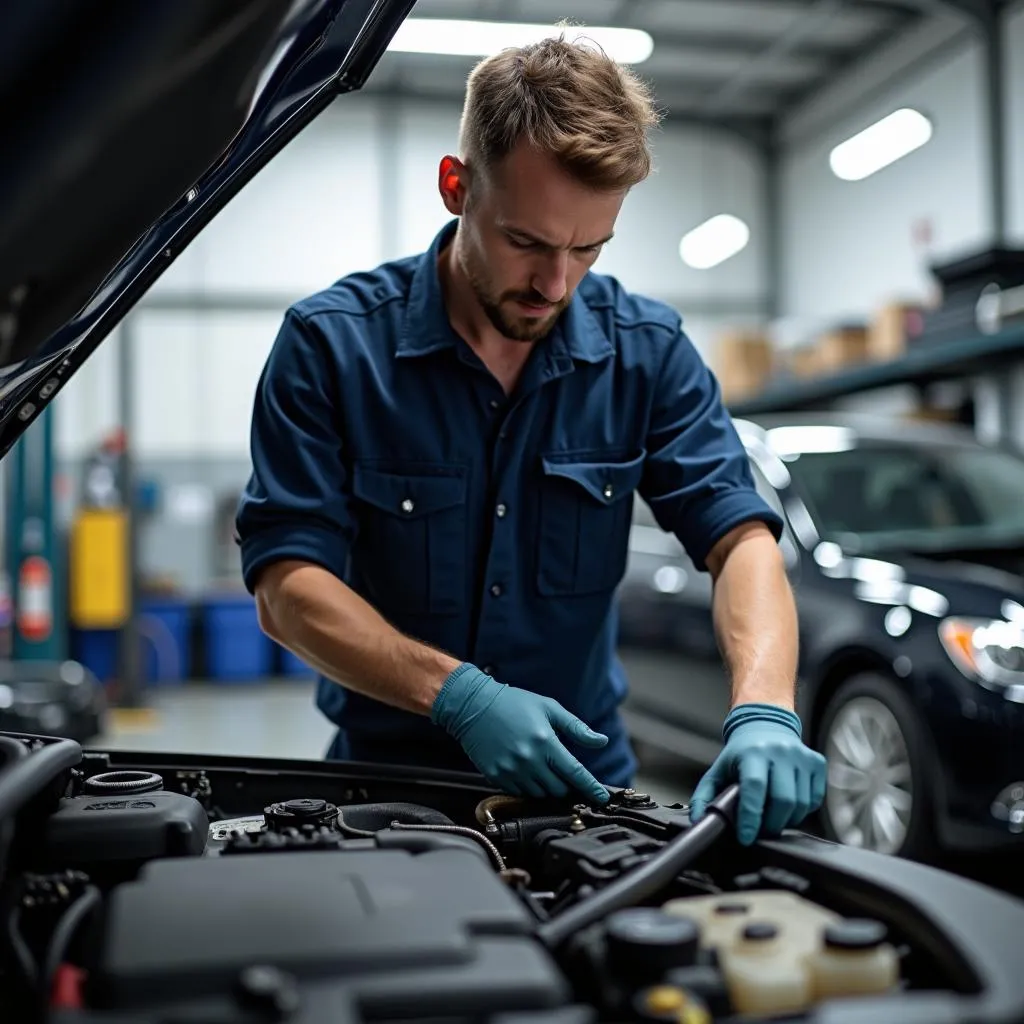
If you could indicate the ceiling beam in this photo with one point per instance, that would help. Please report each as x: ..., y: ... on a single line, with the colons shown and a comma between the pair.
x: 979, y: 10
x: 817, y: 14
x: 975, y: 10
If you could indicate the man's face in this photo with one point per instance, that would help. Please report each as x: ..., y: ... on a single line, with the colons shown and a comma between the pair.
x: 528, y: 235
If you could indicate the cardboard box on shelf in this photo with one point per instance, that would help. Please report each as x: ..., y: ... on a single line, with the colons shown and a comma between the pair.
x: 893, y: 327
x: 743, y: 362
x: 832, y: 352
x: 804, y: 361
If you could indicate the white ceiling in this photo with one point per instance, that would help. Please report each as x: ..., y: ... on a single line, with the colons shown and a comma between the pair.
x: 713, y: 60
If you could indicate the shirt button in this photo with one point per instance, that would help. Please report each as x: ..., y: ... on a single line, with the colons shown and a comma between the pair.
x: 496, y: 590
x: 494, y: 403
x: 500, y: 511
x: 408, y: 505
x: 608, y: 490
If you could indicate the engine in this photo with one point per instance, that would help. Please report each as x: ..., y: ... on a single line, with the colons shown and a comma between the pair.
x: 147, y: 889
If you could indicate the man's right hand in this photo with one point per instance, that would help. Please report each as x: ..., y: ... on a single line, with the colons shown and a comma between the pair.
x: 510, y: 735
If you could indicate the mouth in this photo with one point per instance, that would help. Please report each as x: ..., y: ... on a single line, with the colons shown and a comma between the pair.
x: 532, y: 309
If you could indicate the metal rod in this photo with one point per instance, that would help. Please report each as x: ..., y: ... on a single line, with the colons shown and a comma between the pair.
x: 129, y: 660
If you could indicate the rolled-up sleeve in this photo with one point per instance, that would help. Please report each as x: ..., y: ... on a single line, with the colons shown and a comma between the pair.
x: 697, y: 479
x: 296, y: 504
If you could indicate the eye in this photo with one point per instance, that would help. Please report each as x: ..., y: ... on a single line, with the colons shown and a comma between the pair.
x: 518, y: 243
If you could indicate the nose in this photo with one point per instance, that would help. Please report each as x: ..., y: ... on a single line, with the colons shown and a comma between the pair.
x: 549, y: 278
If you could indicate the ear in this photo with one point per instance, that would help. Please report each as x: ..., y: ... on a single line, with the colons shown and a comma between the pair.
x: 452, y: 182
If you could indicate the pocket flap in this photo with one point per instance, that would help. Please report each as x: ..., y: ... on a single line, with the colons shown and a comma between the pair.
x: 407, y: 494
x: 606, y: 482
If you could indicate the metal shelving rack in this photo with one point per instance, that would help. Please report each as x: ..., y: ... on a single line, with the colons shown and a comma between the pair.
x: 924, y: 363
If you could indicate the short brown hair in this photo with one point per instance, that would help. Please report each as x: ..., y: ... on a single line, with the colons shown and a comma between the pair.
x: 570, y: 100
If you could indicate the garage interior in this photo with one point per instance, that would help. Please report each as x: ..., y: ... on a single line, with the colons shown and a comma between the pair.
x: 814, y: 276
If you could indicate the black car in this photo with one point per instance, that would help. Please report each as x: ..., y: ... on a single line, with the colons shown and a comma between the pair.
x: 157, y: 887
x: 55, y: 698
x: 905, y: 546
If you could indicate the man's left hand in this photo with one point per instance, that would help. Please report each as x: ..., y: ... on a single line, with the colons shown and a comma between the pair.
x: 781, y: 780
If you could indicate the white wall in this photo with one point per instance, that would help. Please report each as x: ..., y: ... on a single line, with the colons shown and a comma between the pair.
x: 850, y: 246
x: 345, y: 195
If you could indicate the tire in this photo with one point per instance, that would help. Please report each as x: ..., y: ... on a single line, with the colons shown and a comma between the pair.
x: 872, y: 713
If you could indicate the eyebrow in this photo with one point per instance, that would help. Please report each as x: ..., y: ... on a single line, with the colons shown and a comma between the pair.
x: 528, y: 236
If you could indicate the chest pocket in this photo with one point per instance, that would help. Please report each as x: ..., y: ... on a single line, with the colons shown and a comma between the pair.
x: 411, y: 551
x: 585, y: 515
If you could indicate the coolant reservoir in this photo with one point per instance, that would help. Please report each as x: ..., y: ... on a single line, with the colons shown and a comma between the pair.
x: 854, y: 959
x: 773, y: 953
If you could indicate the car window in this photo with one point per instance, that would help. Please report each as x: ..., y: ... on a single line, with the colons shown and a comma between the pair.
x: 871, y: 490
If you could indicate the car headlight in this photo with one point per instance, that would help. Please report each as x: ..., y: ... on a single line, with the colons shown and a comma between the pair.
x: 990, y: 651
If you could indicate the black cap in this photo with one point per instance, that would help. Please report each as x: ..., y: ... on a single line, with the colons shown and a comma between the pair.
x: 855, y: 933
x: 760, y: 931
x: 305, y: 808
x: 644, y: 942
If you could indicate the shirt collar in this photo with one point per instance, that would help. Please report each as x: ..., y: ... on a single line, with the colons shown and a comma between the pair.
x: 427, y: 329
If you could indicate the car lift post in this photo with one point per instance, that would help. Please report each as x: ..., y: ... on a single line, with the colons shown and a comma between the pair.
x: 34, y: 562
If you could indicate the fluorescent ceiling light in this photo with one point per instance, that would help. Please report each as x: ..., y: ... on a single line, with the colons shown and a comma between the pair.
x: 881, y: 144
x: 714, y: 242
x: 484, y: 38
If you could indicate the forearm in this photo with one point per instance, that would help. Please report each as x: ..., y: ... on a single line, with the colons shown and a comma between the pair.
x: 755, y: 622
x: 323, y: 621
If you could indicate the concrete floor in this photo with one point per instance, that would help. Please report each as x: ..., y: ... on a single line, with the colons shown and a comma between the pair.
x: 275, y: 718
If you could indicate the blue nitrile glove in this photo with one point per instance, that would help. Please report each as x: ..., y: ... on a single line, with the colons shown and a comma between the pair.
x: 781, y: 780
x: 509, y: 734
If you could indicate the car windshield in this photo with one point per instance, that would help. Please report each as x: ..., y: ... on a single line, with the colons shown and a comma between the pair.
x: 935, y: 494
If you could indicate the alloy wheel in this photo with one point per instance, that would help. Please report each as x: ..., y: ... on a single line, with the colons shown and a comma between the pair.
x: 870, y: 792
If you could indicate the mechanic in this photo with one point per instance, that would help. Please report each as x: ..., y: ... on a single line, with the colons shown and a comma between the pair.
x: 445, y: 451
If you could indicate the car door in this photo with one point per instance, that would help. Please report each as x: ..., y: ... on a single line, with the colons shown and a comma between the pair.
x: 667, y: 638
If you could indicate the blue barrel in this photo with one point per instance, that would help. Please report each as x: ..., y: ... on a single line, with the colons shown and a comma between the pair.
x: 237, y: 650
x: 166, y: 636
x: 97, y: 650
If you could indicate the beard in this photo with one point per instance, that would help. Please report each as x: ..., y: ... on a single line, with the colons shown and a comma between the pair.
x: 498, y: 309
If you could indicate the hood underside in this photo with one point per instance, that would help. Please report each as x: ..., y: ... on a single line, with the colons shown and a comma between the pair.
x: 127, y: 127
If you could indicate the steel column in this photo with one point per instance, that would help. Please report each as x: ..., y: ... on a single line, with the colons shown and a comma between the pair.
x: 34, y: 560
x: 995, y: 108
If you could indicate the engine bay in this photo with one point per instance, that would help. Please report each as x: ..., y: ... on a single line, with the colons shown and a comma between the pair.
x: 157, y: 888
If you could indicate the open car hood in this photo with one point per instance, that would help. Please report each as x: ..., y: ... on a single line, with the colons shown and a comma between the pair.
x: 127, y: 127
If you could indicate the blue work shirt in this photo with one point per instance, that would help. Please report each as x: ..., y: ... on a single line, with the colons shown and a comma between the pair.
x: 492, y: 526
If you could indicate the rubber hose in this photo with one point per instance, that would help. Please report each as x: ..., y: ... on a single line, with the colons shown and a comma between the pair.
x: 648, y: 877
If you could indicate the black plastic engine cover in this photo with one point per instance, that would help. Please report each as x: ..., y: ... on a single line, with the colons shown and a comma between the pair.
x: 385, y: 925
x: 96, y: 830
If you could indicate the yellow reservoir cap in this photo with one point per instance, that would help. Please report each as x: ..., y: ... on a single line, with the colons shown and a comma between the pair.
x: 672, y: 1003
